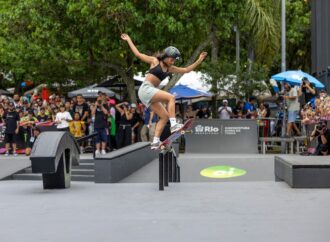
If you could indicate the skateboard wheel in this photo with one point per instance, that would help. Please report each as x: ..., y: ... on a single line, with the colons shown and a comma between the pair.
x: 162, y: 147
x: 182, y: 132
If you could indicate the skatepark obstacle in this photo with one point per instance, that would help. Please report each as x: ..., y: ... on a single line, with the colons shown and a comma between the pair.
x: 53, y: 155
x: 303, y: 171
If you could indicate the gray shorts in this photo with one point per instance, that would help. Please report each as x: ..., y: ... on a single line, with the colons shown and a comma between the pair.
x: 146, y: 92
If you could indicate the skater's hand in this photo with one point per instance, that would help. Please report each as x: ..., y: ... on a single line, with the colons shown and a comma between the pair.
x: 125, y: 37
x: 202, y: 56
x: 16, y: 131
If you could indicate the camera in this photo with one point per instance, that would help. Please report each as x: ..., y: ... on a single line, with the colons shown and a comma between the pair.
x: 320, y: 128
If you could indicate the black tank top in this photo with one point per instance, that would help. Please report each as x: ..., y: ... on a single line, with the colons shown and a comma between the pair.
x: 123, y: 120
x: 158, y: 72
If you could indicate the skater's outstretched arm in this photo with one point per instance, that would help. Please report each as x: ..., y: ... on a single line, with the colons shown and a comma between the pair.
x: 143, y: 57
x: 175, y: 69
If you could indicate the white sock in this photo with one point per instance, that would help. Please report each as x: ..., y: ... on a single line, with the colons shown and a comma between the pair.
x: 156, y: 140
x: 173, y: 121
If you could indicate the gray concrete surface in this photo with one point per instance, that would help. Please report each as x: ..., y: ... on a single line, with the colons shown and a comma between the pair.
x: 233, y: 211
x: 10, y: 165
x: 258, y: 167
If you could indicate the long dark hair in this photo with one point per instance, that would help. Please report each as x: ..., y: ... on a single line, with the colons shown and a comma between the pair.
x: 159, y: 55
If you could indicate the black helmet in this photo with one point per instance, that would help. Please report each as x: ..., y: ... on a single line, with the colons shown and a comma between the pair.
x: 173, y: 52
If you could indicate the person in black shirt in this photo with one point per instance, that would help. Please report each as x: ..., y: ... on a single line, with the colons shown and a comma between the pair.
x: 238, y: 110
x: 81, y: 107
x: 124, y: 133
x: 136, y: 122
x: 100, y: 117
x: 322, y: 134
x: 42, y: 117
x: 11, y: 119
x: 203, y: 113
x: 307, y: 91
x: 35, y: 133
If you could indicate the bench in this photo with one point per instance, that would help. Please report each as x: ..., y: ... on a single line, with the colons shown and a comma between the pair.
x: 303, y: 171
x: 117, y: 165
x: 263, y: 141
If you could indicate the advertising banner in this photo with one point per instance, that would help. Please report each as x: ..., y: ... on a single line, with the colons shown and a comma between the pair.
x: 217, y: 136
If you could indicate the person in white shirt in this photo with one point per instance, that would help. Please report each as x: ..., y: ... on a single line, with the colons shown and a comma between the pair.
x: 225, y: 111
x: 62, y: 119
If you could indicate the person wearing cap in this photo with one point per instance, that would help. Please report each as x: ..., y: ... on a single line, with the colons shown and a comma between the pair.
x: 11, y: 120
x: 63, y: 118
x: 225, y: 111
x: 161, y: 66
x: 27, y: 122
x: 42, y: 116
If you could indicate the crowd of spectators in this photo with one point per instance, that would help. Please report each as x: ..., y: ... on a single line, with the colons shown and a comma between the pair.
x: 116, y: 125
x: 119, y: 124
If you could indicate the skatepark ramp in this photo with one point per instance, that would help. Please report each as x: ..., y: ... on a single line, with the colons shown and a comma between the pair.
x: 116, y: 165
x: 53, y: 155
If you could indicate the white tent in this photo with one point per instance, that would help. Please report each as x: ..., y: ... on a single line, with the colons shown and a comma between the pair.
x: 193, y: 79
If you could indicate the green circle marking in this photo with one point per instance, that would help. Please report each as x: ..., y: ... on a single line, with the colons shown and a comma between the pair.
x: 222, y: 172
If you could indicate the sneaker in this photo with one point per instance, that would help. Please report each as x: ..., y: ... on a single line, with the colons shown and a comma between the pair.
x: 103, y: 152
x: 155, y: 145
x: 176, y: 127
x: 7, y: 153
x: 97, y: 152
x: 14, y: 153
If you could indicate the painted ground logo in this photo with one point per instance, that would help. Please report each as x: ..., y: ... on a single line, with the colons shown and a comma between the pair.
x: 222, y: 172
x: 200, y: 129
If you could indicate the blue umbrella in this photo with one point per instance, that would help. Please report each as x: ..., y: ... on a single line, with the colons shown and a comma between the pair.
x: 184, y: 92
x: 295, y: 77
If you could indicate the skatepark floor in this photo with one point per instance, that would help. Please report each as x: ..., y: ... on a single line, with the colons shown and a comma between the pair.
x: 254, y: 208
x: 232, y: 211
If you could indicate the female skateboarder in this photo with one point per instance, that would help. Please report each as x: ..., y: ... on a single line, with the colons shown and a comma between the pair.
x: 160, y: 67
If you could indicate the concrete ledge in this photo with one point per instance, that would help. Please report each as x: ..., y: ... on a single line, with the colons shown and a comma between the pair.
x: 303, y: 171
x: 116, y: 165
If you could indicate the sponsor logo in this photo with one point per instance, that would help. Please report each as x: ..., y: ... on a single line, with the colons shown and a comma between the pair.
x: 200, y: 129
x: 222, y: 172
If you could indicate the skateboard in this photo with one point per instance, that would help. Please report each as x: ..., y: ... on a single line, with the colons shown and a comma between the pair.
x: 166, y: 144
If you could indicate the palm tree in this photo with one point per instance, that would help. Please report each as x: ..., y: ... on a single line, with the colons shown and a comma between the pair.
x: 262, y: 18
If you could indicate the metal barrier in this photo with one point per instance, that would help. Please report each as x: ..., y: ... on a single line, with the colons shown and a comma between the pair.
x: 169, y: 169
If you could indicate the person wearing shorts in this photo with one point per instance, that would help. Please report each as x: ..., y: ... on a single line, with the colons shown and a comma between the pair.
x: 11, y: 119
x: 161, y: 66
x: 292, y: 101
x: 100, y: 117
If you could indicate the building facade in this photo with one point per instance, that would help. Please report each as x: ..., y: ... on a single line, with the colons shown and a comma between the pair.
x: 321, y: 40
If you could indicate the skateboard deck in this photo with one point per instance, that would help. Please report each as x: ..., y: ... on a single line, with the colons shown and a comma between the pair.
x: 166, y: 144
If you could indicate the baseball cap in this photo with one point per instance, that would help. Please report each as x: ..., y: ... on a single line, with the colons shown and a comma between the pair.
x: 225, y: 101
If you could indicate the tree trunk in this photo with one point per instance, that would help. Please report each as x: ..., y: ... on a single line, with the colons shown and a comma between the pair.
x: 214, y: 59
x: 130, y: 88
